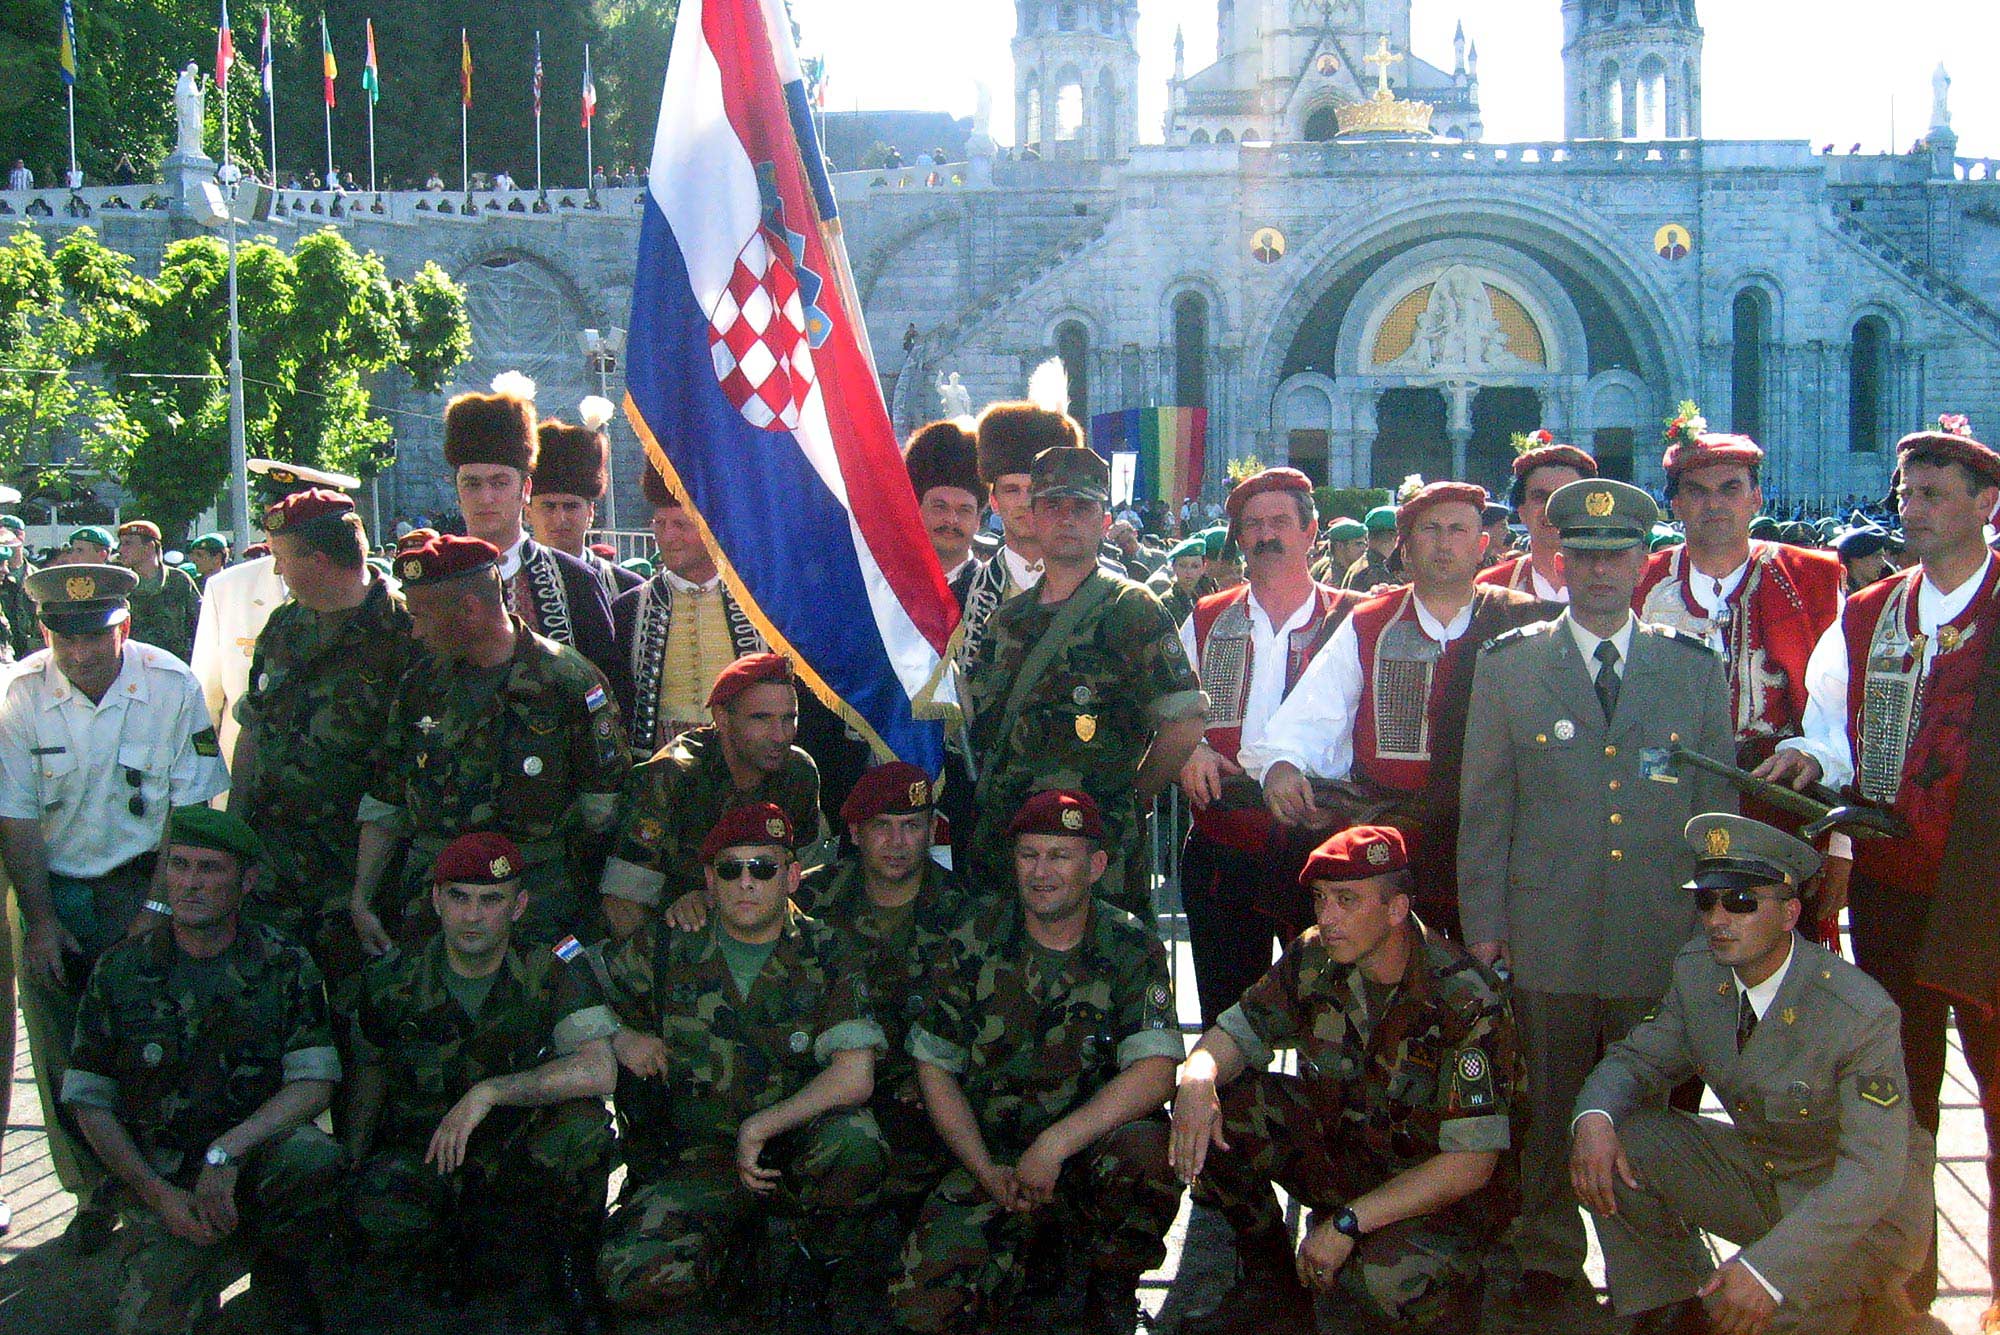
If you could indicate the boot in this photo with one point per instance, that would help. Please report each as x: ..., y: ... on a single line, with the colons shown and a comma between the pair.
x: 1267, y: 1298
x: 285, y: 1286
x: 573, y: 1283
x: 1111, y: 1305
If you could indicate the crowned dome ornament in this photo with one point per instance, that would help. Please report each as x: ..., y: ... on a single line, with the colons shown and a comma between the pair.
x: 1384, y: 116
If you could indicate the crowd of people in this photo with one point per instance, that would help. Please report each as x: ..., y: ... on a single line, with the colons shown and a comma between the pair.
x: 401, y: 903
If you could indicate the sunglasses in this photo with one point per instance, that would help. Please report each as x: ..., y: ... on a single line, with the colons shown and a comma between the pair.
x: 1739, y: 902
x: 763, y: 869
x: 137, y: 805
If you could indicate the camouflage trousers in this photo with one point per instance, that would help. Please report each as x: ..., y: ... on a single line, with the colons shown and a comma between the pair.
x: 961, y: 1265
x: 675, y: 1223
x: 527, y: 1174
x: 285, y: 1198
x: 918, y: 1159
x: 1415, y: 1275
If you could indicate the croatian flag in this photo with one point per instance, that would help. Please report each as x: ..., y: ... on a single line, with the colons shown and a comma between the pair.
x: 752, y: 387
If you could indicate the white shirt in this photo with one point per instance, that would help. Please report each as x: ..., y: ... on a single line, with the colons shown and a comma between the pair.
x: 953, y: 573
x: 1825, y: 724
x: 1313, y: 730
x: 510, y: 560
x: 20, y: 178
x: 679, y: 585
x: 1587, y: 642
x: 1546, y: 590
x: 235, y: 604
x: 1270, y: 651
x: 68, y: 763
x: 1024, y: 573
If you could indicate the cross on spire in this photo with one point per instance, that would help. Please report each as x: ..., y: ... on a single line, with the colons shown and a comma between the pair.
x: 1382, y: 59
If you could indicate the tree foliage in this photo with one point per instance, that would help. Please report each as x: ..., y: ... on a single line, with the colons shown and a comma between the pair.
x: 143, y: 361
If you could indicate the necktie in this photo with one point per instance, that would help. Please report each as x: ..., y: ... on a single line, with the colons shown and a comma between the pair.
x: 1746, y: 1019
x: 1607, y: 677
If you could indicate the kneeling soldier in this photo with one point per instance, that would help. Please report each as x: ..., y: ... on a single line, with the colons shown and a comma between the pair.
x: 481, y: 1071
x: 203, y: 1053
x: 1821, y: 1176
x: 767, y: 1049
x: 1394, y: 1131
x: 1044, y: 1055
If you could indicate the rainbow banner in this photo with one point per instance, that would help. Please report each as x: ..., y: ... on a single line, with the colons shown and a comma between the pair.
x: 1172, y: 444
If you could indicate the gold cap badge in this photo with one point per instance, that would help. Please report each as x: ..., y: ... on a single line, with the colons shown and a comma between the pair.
x: 1598, y: 504
x: 80, y: 587
x: 920, y: 794
x: 274, y: 519
x: 501, y: 867
x: 1379, y: 855
x: 1718, y: 842
x: 412, y: 569
x: 1072, y: 819
x: 775, y: 828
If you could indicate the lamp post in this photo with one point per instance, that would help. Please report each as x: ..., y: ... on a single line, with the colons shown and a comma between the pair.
x: 229, y: 176
x: 602, y: 349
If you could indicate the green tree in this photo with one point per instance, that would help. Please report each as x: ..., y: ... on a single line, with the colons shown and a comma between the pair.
x: 60, y: 315
x: 631, y: 72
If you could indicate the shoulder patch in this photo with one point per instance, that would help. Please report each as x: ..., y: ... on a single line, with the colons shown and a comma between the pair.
x: 206, y: 743
x: 1882, y: 1091
x: 1518, y: 635
x: 1675, y: 635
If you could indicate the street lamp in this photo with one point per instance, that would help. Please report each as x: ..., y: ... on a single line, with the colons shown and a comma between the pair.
x: 602, y: 349
x: 215, y: 206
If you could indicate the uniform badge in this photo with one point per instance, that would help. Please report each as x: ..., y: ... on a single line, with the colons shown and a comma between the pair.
x: 427, y: 725
x: 1072, y: 819
x: 1158, y: 995
x: 263, y: 681
x: 1565, y: 730
x: 80, y: 587
x: 1882, y: 1092
x: 800, y: 1040
x: 152, y: 1054
x: 1086, y: 727
x: 502, y: 868
x: 531, y: 766
x: 776, y: 829
x: 1471, y: 1081
x: 1948, y: 638
x: 274, y: 520
x: 1718, y: 842
x: 1598, y: 504
x: 1081, y: 695
x: 1789, y: 1015
x: 1471, y: 1065
x: 649, y: 830
x: 920, y: 793
x: 412, y: 569
x: 1379, y: 855
x: 542, y: 727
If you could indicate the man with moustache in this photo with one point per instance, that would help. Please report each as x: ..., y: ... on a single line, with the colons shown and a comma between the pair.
x: 1384, y: 706
x: 1570, y: 826
x: 1905, y: 706
x: 1250, y: 645
x: 1541, y: 467
x: 943, y: 463
x: 572, y: 471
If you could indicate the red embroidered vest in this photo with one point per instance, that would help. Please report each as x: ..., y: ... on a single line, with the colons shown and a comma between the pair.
x: 1396, y: 719
x: 1938, y: 752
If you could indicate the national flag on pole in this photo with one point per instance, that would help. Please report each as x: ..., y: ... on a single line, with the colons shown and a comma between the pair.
x: 66, y: 46
x: 264, y: 69
x: 538, y: 73
x: 1172, y: 445
x: 751, y: 385
x: 464, y: 69
x: 589, y: 90
x: 328, y: 70
x: 225, y: 49
x: 371, y: 73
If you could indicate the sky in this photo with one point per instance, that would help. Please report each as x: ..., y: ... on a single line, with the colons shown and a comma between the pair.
x: 1829, y: 71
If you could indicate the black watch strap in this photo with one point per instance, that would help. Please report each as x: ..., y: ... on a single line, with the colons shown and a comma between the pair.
x: 1345, y: 1222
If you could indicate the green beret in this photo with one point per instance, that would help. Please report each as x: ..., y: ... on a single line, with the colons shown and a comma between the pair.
x: 93, y: 534
x: 1212, y: 540
x: 1346, y: 530
x: 1663, y: 537
x: 1763, y: 526
x: 14, y: 522
x: 1188, y: 547
x: 209, y: 542
x: 638, y: 565
x: 187, y: 567
x: 1382, y: 519
x: 205, y: 827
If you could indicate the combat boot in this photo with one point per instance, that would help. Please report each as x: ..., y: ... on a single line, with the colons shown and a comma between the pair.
x: 285, y: 1286
x: 1267, y: 1298
x: 573, y: 1283
x: 1111, y: 1305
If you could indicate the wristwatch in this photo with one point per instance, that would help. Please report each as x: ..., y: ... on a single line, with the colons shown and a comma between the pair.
x: 159, y: 906
x: 1343, y: 1221
x: 217, y: 1157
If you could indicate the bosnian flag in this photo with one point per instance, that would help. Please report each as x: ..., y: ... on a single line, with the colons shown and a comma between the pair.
x: 751, y: 385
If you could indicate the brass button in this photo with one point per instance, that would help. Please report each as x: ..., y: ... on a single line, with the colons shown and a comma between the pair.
x: 1617, y: 855
x: 1542, y: 738
x: 1742, y: 1106
x: 1610, y: 750
x: 1616, y: 784
x: 1617, y: 819
x: 1770, y: 1167
x: 1673, y: 737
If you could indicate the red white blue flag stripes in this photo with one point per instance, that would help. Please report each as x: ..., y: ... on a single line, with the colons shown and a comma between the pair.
x: 751, y: 385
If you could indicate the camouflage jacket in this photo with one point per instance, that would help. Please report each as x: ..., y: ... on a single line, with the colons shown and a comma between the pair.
x: 1178, y: 602
x: 313, y: 722
x: 539, y: 760
x: 1089, y: 719
x: 674, y: 799
x: 730, y: 1055
x: 432, y: 1051
x: 181, y: 1050
x: 1438, y: 1071
x: 897, y: 971
x: 24, y: 633
x: 164, y: 613
x: 1032, y: 1036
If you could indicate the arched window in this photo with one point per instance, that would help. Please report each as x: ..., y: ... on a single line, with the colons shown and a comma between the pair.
x: 1107, y: 116
x: 1652, y: 98
x: 1750, y: 329
x: 1611, y: 99
x: 1321, y: 126
x: 1224, y: 137
x: 1191, y: 350
x: 1033, y: 118
x: 1868, y: 385
x: 1073, y: 346
x: 1069, y: 103
x: 1198, y: 137
x: 1690, y: 101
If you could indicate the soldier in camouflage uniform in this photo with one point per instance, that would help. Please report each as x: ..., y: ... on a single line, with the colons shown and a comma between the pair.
x: 1396, y: 1130
x: 1044, y: 1054
x: 748, y: 1056
x: 24, y: 634
x: 480, y: 1073
x: 502, y: 731
x: 746, y: 756
x: 203, y: 1052
x: 1174, y: 582
x: 895, y: 909
x: 166, y: 604
x: 323, y: 677
x: 1084, y: 686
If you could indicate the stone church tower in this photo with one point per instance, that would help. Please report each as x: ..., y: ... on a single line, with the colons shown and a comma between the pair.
x: 1631, y: 69
x: 1076, y: 78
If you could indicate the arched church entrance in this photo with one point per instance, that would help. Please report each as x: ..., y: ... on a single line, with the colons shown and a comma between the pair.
x: 1499, y: 413
x: 1410, y: 437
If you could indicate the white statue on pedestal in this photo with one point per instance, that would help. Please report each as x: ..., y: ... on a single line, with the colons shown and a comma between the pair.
x: 1940, y: 98
x: 955, y: 399
x: 189, y: 103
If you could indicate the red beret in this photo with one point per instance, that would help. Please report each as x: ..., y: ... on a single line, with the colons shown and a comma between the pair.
x: 1271, y: 479
x: 444, y: 557
x: 1951, y: 442
x: 255, y: 550
x: 477, y: 859
x: 747, y: 671
x: 1059, y: 812
x: 896, y: 788
x: 1356, y: 854
x: 1708, y: 448
x: 303, y: 506
x: 1436, y: 494
x: 1541, y: 449
x: 760, y: 823
x: 415, y: 538
x: 145, y: 527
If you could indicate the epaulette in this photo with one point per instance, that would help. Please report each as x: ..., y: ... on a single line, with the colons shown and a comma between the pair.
x: 1679, y: 636
x: 1516, y: 635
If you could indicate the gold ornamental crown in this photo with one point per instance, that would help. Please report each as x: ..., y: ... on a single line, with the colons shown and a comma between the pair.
x: 1385, y: 113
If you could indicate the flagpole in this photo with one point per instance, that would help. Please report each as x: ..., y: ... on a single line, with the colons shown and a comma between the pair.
x: 590, y: 115
x: 371, y: 144
x: 464, y: 116
x: 328, y: 108
x: 271, y: 110
x: 71, y: 89
x: 538, y: 115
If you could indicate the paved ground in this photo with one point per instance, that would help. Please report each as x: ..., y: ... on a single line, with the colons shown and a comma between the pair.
x: 44, y: 1290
